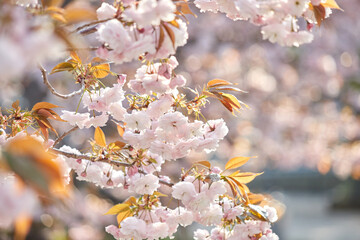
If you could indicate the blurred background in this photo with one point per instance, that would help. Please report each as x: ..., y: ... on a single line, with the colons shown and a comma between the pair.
x: 304, y: 119
x: 303, y: 125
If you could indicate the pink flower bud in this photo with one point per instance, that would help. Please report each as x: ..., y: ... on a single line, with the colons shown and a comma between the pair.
x: 216, y: 170
x: 309, y: 26
x: 121, y: 79
x: 132, y: 171
x: 110, y: 183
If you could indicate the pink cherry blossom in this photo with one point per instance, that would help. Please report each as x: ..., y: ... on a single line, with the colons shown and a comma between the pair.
x: 105, y: 11
x: 184, y: 191
x: 144, y: 184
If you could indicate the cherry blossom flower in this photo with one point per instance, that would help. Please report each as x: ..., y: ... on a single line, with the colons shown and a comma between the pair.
x: 151, y: 12
x: 106, y: 11
x: 144, y: 184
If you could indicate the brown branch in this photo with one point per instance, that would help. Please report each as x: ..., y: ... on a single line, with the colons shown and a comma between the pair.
x: 82, y: 49
x: 90, y: 24
x: 105, y: 160
x: 52, y: 89
x: 64, y: 135
x: 90, y: 158
x: 160, y: 181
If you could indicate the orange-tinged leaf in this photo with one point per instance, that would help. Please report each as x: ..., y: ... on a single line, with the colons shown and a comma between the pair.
x: 241, y: 190
x: 236, y: 162
x: 61, y: 67
x: 76, y: 15
x: 118, y: 208
x: 44, y: 125
x: 232, y: 187
x: 320, y: 13
x: 22, y: 226
x: 15, y: 104
x: 55, y: 9
x: 119, y: 144
x: 44, y: 121
x: 246, y: 189
x: 232, y: 100
x: 58, y: 17
x: 30, y: 162
x: 184, y: 8
x: 218, y: 82
x: 204, y: 163
x: 234, y: 173
x: 131, y: 200
x: 43, y: 112
x: 159, y: 194
x: 40, y: 105
x: 96, y: 61
x: 75, y: 57
x: 245, y: 177
x: 258, y: 212
x: 209, y: 94
x: 121, y: 216
x: 331, y: 4
x: 56, y: 13
x: 229, y: 101
x: 161, y: 38
x: 55, y: 115
x: 174, y: 23
x: 255, y: 198
x: 44, y: 130
x: 226, y: 88
x: 99, y: 137
x: 311, y: 7
x: 50, y: 3
x: 121, y: 130
x: 227, y: 105
x: 171, y: 34
x: 101, y: 71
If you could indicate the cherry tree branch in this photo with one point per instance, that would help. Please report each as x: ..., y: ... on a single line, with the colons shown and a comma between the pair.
x: 105, y: 160
x: 90, y: 24
x: 59, y: 139
x: 52, y: 89
x: 82, y: 49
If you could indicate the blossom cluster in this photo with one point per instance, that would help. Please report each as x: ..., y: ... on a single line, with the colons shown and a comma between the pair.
x: 156, y: 121
x: 145, y: 37
x: 279, y: 18
x: 205, y: 202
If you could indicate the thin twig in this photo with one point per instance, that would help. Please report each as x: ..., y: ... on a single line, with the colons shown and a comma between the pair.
x: 92, y: 159
x: 90, y: 24
x: 166, y: 183
x: 88, y: 31
x: 52, y: 89
x: 64, y: 135
x: 105, y: 160
x: 160, y: 181
x: 82, y: 49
